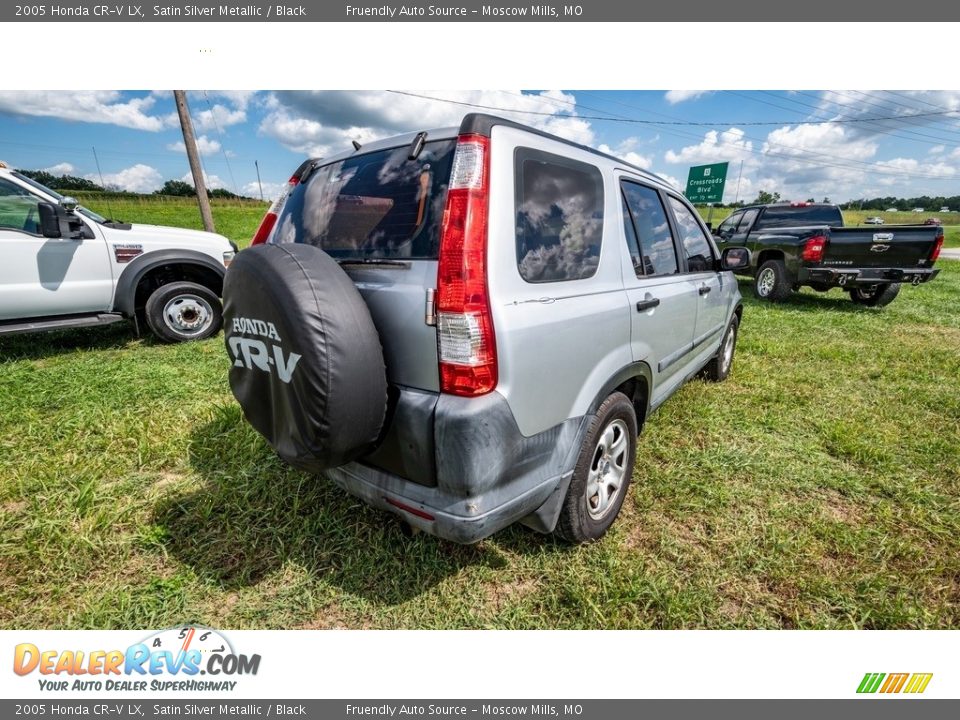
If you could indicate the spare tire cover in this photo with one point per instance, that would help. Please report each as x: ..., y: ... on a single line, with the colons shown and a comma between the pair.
x: 308, y: 368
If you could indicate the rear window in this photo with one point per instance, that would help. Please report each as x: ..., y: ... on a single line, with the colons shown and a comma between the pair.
x: 788, y: 216
x: 559, y: 205
x: 375, y: 205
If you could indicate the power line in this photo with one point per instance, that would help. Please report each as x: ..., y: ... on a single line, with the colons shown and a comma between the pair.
x: 685, y: 122
x: 867, y: 167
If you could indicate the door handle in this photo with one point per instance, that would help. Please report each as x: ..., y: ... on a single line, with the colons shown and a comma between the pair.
x: 704, y: 289
x: 643, y: 305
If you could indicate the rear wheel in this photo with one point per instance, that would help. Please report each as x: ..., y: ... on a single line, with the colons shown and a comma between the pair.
x: 183, y: 311
x: 875, y: 295
x: 771, y: 281
x: 602, y: 474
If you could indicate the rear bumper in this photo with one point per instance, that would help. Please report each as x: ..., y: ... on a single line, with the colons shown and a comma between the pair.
x: 488, y: 475
x: 850, y: 277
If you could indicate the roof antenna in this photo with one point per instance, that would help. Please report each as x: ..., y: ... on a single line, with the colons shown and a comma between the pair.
x: 356, y: 145
x: 102, y: 184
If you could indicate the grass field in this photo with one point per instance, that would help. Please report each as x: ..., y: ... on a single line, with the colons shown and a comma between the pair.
x: 819, y: 487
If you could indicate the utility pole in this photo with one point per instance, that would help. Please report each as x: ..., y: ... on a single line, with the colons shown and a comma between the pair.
x: 190, y: 141
x: 259, y: 184
x: 739, y: 178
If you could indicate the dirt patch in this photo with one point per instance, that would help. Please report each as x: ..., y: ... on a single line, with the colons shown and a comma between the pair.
x: 840, y: 508
x: 13, y: 507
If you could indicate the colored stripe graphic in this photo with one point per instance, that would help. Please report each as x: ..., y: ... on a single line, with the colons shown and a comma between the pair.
x: 918, y: 683
x: 894, y: 683
x: 870, y: 682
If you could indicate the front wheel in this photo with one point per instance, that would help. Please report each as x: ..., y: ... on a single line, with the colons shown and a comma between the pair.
x: 875, y: 295
x: 183, y: 311
x: 602, y: 473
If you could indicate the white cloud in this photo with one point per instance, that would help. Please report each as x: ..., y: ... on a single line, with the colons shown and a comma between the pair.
x: 936, y: 149
x: 898, y: 171
x: 320, y: 123
x: 92, y: 106
x: 678, y: 96
x: 205, y: 145
x: 63, y: 168
x: 627, y: 151
x: 212, y: 181
x: 216, y: 117
x: 270, y: 190
x: 138, y: 178
x: 715, y: 147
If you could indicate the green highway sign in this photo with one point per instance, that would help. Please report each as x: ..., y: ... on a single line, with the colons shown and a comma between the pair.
x: 705, y: 183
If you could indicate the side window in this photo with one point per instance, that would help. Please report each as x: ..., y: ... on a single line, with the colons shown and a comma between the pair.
x: 729, y: 225
x: 747, y: 220
x: 559, y: 206
x: 658, y: 256
x: 695, y: 244
x: 18, y: 208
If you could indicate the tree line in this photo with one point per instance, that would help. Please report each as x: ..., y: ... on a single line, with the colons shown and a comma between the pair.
x: 71, y: 183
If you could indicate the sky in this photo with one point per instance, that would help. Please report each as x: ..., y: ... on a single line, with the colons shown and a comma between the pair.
x: 836, y: 144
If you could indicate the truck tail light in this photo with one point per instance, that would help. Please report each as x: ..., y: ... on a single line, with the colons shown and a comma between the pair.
x: 937, y: 246
x: 465, y: 337
x: 814, y: 249
x: 270, y: 219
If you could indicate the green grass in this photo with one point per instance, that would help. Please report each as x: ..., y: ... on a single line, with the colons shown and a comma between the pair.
x: 236, y: 219
x: 819, y: 487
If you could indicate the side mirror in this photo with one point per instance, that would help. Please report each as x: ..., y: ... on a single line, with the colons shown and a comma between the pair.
x: 709, y: 226
x: 735, y: 259
x: 49, y: 220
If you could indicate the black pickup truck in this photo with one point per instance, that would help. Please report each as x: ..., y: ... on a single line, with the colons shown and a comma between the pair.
x: 805, y: 244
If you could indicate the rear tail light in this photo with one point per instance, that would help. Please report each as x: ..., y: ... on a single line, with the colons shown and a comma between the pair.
x: 814, y: 249
x: 270, y: 219
x: 465, y: 338
x: 937, y: 246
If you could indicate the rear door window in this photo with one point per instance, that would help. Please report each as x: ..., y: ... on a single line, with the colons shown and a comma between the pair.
x: 374, y: 205
x: 696, y: 246
x: 658, y: 255
x: 559, y: 217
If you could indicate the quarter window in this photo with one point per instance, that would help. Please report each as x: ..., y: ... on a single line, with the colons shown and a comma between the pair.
x: 747, y: 220
x: 18, y: 209
x: 695, y: 244
x: 559, y: 225
x: 657, y: 254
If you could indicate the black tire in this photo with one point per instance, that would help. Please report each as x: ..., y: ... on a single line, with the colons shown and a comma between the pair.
x: 308, y: 367
x: 772, y: 282
x: 718, y: 369
x: 183, y: 311
x: 876, y: 295
x: 582, y: 519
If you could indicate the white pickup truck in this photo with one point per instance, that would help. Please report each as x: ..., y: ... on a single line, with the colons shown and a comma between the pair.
x: 63, y: 266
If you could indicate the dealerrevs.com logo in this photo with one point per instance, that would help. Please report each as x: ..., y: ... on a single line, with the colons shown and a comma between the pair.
x: 172, y: 659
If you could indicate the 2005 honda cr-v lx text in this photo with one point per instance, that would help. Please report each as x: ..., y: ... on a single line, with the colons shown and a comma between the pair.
x: 469, y: 326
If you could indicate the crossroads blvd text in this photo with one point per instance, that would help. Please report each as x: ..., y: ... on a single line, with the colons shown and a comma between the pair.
x: 539, y: 12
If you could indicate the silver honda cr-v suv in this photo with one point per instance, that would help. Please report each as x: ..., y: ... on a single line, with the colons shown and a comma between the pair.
x: 469, y: 326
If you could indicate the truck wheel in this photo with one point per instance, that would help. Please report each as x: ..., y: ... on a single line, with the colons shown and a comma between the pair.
x: 771, y: 282
x: 602, y: 473
x: 183, y: 311
x: 718, y: 369
x: 876, y: 295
